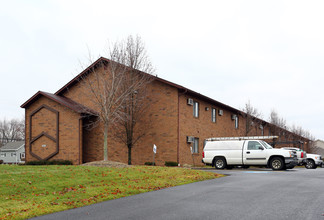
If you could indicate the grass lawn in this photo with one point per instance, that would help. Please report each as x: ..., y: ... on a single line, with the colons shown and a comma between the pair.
x: 27, y: 191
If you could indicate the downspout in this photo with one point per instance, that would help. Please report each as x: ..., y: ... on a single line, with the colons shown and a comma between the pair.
x: 80, y: 136
x: 178, y: 147
x: 25, y: 135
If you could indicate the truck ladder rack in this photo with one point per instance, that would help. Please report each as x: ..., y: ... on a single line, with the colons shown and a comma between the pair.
x: 242, y: 138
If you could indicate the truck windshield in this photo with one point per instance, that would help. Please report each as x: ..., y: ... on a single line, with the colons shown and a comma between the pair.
x: 266, y: 145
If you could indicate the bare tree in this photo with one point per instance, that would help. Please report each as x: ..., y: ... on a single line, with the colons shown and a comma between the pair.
x: 252, y: 116
x: 298, y: 130
x: 11, y: 130
x: 112, y: 89
x: 137, y: 102
x: 279, y: 126
x: 276, y: 120
x: 133, y: 112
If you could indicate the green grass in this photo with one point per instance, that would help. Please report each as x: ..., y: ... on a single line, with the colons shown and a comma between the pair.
x: 28, y: 191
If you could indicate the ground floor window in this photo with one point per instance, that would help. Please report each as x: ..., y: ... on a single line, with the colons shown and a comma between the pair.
x: 22, y: 155
x: 3, y: 155
x: 195, y: 147
x: 13, y: 154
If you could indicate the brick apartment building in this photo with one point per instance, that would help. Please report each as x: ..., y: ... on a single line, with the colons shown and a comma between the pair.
x: 56, y: 125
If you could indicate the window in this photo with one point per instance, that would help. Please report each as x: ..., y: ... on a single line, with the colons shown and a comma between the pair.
x: 22, y: 155
x: 213, y: 116
x: 236, y: 120
x: 262, y: 130
x: 3, y: 155
x: 254, y: 145
x: 196, y: 109
x: 195, y: 147
x: 13, y: 154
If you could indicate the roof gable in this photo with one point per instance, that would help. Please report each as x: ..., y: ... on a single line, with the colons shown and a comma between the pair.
x: 69, y: 103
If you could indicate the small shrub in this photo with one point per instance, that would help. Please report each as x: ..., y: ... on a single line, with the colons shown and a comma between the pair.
x: 171, y: 164
x: 64, y: 162
x: 1, y: 161
x: 149, y: 163
x: 36, y: 162
x: 49, y: 162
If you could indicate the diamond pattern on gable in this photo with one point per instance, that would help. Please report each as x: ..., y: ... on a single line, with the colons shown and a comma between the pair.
x: 43, y: 146
x: 43, y: 136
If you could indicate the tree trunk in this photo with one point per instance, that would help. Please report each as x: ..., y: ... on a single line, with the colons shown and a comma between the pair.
x: 106, y: 142
x: 129, y: 154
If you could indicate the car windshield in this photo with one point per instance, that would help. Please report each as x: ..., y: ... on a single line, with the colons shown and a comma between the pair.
x: 266, y: 145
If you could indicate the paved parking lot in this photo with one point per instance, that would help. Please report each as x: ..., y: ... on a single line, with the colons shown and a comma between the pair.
x: 244, y: 194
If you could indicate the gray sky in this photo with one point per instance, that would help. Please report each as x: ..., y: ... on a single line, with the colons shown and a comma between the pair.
x: 268, y: 52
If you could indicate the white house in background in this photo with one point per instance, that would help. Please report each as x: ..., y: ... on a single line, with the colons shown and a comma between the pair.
x: 13, y: 152
x: 318, y: 147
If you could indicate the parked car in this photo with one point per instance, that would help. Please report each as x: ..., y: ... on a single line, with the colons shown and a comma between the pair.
x: 301, y: 155
x: 313, y: 161
x: 229, y: 153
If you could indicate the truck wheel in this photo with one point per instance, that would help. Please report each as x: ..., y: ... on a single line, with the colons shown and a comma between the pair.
x: 220, y: 163
x: 277, y: 163
x: 310, y: 164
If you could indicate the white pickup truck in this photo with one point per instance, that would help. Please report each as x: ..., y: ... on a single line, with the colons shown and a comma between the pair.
x: 313, y: 161
x: 301, y: 155
x: 229, y: 153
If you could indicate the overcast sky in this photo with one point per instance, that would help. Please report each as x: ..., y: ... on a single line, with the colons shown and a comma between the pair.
x: 268, y: 52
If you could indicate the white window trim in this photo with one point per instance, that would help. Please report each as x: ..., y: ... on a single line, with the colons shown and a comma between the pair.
x: 195, y: 146
x: 213, y: 115
x: 236, y: 122
x: 196, y: 109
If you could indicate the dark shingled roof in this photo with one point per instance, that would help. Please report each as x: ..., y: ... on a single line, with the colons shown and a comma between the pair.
x: 69, y: 103
x: 104, y: 61
x: 13, y: 145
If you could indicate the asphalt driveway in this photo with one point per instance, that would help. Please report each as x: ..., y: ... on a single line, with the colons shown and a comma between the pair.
x: 244, y: 194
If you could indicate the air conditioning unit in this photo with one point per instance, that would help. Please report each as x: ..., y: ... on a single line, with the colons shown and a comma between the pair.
x: 190, y: 139
x: 234, y: 117
x: 190, y: 101
x: 220, y: 112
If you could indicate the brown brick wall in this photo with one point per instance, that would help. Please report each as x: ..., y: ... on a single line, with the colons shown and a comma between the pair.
x: 159, y: 122
x: 203, y: 127
x: 45, y: 121
x: 161, y: 125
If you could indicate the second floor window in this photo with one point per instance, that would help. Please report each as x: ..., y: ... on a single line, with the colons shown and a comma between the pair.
x: 196, y: 109
x: 236, y: 120
x: 213, y: 116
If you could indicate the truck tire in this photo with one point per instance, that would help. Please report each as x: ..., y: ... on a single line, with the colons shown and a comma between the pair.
x: 220, y: 163
x: 277, y: 163
x: 310, y: 164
